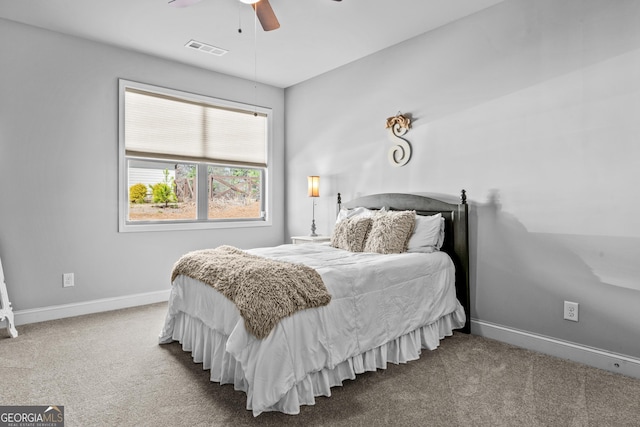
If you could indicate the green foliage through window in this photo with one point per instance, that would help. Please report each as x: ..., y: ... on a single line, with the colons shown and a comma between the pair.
x: 163, y: 191
x: 137, y: 193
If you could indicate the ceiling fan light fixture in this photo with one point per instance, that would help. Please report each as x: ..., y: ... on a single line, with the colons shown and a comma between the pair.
x: 249, y: 1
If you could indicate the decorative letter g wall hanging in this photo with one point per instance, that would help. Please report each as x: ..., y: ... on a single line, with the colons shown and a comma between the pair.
x: 400, y: 153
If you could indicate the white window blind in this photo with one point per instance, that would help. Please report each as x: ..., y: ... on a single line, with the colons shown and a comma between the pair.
x: 164, y: 127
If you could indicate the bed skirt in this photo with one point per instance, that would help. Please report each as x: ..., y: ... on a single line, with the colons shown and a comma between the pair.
x: 207, y: 346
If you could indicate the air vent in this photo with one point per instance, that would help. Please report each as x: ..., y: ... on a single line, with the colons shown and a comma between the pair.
x: 206, y: 48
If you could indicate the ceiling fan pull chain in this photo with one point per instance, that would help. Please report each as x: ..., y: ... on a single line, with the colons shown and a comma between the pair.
x: 255, y: 61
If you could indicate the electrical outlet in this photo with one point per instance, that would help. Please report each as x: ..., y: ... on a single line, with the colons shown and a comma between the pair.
x: 67, y: 280
x: 571, y: 311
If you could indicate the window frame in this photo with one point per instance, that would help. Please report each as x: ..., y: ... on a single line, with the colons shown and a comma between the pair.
x: 124, y: 225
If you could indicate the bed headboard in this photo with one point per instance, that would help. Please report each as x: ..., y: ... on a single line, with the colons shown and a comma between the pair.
x: 456, y: 241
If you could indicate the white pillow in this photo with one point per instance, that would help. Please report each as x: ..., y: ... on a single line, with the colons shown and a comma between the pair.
x: 428, y: 234
x: 358, y: 212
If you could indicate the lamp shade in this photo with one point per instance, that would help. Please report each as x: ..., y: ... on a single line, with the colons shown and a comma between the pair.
x: 314, y: 186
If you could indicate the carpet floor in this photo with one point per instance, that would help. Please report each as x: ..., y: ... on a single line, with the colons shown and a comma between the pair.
x: 107, y: 369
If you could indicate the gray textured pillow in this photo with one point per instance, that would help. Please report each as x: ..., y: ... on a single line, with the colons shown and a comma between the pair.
x: 390, y: 232
x: 351, y: 233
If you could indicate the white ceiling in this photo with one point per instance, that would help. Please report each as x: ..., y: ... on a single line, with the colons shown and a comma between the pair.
x: 315, y: 35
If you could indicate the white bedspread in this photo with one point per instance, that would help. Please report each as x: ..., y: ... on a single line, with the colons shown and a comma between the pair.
x: 375, y: 299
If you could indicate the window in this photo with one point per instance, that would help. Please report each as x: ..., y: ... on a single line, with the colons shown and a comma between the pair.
x: 190, y: 162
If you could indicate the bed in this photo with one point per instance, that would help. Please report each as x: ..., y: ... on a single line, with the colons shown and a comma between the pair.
x: 383, y: 308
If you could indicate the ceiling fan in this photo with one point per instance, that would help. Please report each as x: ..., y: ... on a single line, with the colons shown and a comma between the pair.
x: 263, y: 10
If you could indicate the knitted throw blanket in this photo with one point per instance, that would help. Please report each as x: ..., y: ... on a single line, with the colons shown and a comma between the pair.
x: 264, y: 290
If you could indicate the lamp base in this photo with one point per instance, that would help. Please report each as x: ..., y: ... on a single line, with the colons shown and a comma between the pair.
x: 313, y: 228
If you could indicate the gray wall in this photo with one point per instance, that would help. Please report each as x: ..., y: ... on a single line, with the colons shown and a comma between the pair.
x: 532, y: 107
x: 59, y: 169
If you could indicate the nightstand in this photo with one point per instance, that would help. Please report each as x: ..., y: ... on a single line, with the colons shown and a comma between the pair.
x: 300, y: 240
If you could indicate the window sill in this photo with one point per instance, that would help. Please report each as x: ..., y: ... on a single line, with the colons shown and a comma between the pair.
x: 191, y: 225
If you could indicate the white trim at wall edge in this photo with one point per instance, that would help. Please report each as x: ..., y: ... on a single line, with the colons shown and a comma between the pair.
x: 590, y: 356
x: 43, y: 314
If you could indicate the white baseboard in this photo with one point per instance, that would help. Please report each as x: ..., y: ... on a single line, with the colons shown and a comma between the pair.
x: 590, y: 356
x: 43, y: 314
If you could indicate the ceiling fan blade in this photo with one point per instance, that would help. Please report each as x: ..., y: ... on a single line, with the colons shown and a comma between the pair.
x: 266, y: 16
x: 182, y: 3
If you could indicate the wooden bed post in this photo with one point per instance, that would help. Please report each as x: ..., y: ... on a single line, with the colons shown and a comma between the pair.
x: 461, y: 248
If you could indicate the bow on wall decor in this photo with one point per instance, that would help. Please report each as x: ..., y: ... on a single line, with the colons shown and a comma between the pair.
x: 400, y: 153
